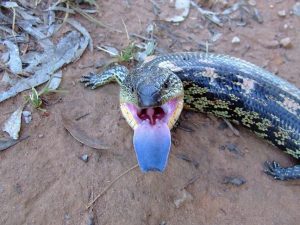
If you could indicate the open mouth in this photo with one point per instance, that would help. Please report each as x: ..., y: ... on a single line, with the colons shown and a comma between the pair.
x: 167, y: 113
x: 152, y: 115
x: 152, y: 137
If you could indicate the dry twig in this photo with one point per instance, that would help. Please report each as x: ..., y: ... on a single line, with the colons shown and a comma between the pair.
x: 110, y: 185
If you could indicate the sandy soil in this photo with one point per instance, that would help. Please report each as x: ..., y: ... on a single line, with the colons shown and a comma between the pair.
x: 43, y: 181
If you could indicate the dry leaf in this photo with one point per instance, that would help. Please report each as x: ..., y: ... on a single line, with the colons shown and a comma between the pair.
x: 80, y: 135
x: 7, y: 143
x: 182, y: 6
x: 55, y: 80
x: 13, y: 125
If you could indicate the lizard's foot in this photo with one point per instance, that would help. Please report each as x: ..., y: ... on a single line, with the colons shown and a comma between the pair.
x: 94, y: 80
x: 91, y: 80
x: 279, y: 173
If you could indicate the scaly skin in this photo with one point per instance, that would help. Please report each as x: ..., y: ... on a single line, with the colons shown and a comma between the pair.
x: 221, y: 85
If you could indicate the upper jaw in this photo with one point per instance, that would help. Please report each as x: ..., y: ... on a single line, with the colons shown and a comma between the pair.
x: 167, y: 113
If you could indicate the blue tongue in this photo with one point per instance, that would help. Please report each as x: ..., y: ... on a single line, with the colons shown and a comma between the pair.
x: 152, y: 146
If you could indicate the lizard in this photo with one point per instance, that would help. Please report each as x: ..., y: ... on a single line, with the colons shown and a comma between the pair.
x: 153, y: 94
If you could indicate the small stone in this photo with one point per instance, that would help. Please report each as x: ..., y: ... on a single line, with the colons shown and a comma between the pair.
x: 286, y: 42
x: 40, y: 136
x: 150, y: 29
x: 182, y: 198
x: 281, y: 13
x: 84, y: 158
x: 271, y: 6
x: 236, y: 40
x: 285, y: 26
x: 288, y: 26
x: 296, y: 9
x: 233, y: 148
x: 27, y: 116
x: 271, y: 44
x: 26, y: 113
x: 236, y: 181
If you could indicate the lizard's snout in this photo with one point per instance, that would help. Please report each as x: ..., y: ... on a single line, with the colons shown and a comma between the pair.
x: 148, y: 96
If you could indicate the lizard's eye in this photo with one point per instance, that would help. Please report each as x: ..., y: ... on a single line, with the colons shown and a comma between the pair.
x: 166, y: 85
x: 132, y: 89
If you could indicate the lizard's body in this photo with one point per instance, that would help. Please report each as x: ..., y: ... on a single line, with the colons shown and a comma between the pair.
x: 224, y: 86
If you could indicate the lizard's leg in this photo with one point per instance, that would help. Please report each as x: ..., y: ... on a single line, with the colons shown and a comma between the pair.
x: 279, y: 173
x: 117, y: 73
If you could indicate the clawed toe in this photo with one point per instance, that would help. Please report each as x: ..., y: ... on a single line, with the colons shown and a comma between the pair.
x: 270, y: 168
x: 276, y: 171
x: 84, y: 79
x: 87, y: 84
x: 90, y: 80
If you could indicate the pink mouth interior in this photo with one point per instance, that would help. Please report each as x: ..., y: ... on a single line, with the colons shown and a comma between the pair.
x: 152, y: 114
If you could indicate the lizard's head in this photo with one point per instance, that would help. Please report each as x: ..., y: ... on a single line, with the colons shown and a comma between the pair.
x: 151, y: 103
